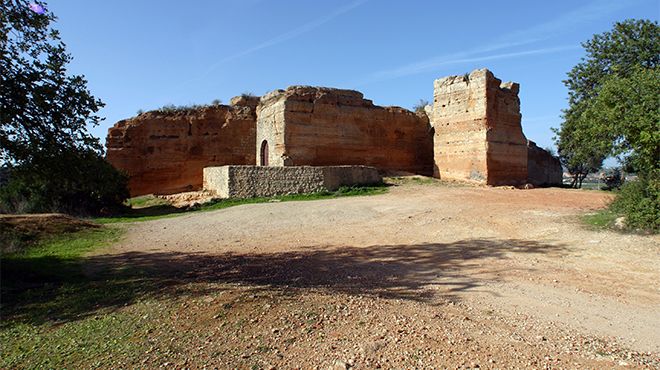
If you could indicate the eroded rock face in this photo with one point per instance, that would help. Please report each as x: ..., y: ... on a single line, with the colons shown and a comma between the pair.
x: 320, y: 126
x: 478, y: 135
x: 166, y: 152
x: 543, y: 169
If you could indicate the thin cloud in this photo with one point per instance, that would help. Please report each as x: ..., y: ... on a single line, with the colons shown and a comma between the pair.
x: 295, y: 32
x: 561, y: 24
x: 570, y: 20
x: 455, y: 59
x: 307, y: 27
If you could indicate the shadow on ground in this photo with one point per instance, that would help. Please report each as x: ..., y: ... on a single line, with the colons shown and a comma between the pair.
x: 389, y: 271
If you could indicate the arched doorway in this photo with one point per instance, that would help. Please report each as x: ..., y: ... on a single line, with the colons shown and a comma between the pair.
x: 263, y: 156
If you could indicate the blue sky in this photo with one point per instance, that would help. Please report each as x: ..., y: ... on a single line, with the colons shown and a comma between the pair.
x: 145, y: 54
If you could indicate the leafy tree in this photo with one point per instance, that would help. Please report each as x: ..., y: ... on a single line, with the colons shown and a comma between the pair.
x: 614, y: 111
x: 577, y: 153
x: 44, y: 115
x: 626, y: 114
x: 613, y: 58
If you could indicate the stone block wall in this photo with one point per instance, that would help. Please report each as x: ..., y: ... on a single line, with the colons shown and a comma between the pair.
x: 166, y: 152
x: 320, y: 126
x: 266, y: 181
x: 543, y: 169
x: 478, y: 135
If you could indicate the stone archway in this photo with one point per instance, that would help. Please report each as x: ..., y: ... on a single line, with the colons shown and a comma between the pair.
x: 263, y: 153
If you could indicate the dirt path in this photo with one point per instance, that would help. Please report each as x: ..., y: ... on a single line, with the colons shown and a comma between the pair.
x: 514, y: 266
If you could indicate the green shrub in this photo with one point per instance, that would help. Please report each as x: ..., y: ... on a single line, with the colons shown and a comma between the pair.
x: 73, y: 182
x: 639, y: 202
x: 421, y: 104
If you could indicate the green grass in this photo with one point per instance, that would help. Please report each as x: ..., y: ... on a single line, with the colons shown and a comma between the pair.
x: 68, y: 246
x: 600, y: 220
x: 146, y: 201
x: 164, y: 211
x: 53, y: 258
x: 53, y: 314
x: 93, y: 341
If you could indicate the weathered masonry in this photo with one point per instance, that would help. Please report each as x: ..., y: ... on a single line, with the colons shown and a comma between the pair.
x: 478, y: 135
x: 472, y: 132
x: 317, y: 126
x: 543, y: 169
x: 166, y: 152
x: 266, y: 181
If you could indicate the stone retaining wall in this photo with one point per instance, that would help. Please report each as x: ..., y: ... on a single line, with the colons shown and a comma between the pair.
x: 264, y: 181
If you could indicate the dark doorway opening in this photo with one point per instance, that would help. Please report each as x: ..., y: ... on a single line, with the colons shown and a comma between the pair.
x: 263, y: 156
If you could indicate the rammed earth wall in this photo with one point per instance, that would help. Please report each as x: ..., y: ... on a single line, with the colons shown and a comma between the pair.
x: 478, y: 135
x: 166, y: 152
x: 320, y: 126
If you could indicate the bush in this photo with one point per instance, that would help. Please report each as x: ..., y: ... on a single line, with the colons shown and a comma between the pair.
x: 76, y: 182
x: 421, y: 104
x: 639, y: 202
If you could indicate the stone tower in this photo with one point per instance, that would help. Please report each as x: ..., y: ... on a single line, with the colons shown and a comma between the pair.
x: 478, y: 135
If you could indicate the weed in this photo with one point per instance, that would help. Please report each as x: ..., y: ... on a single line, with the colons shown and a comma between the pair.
x: 146, y: 201
x: 600, y: 220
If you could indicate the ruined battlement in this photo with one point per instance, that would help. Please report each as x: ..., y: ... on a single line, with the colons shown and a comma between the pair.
x: 310, y: 94
x: 165, y: 151
x: 472, y: 132
x: 319, y: 126
x: 478, y: 135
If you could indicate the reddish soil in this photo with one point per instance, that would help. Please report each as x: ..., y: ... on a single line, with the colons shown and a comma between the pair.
x: 426, y: 276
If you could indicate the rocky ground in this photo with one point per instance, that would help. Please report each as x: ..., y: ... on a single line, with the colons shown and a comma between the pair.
x: 426, y: 276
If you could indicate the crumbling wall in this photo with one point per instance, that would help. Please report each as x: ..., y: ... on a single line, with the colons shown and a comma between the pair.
x: 543, y: 169
x: 478, y: 135
x: 166, y: 152
x: 319, y: 126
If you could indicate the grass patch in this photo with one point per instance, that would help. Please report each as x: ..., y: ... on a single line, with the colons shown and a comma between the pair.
x: 164, y: 211
x: 95, y: 341
x: 600, y: 220
x: 19, y: 232
x: 49, y: 265
x: 69, y: 246
x: 146, y: 201
x: 50, y: 307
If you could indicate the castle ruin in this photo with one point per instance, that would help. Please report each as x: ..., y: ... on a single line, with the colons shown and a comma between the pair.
x: 472, y: 132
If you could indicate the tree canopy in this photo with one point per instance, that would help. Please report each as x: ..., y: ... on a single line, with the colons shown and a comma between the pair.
x: 45, y: 113
x: 613, y: 100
